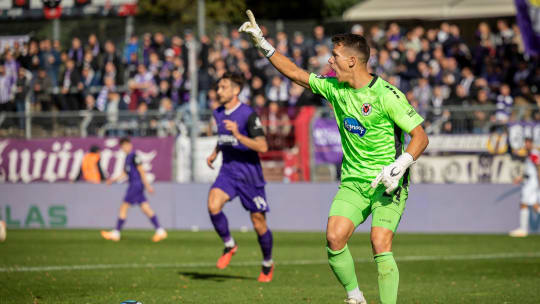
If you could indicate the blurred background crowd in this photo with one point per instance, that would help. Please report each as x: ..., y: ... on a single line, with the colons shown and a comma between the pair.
x: 435, y: 67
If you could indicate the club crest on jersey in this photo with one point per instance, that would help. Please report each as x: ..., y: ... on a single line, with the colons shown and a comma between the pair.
x: 354, y: 126
x: 366, y: 109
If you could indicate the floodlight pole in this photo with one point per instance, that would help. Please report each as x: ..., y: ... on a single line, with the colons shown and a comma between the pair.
x: 129, y: 28
x: 56, y: 29
x: 201, y: 15
x: 193, y: 104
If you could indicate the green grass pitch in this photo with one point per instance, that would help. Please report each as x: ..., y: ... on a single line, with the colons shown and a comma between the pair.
x: 77, y: 266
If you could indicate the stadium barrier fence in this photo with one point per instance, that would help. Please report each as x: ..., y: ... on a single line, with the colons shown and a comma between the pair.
x: 304, y: 147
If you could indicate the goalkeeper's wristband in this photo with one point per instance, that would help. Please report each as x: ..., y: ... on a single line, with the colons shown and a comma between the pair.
x: 406, y: 160
x: 266, y: 48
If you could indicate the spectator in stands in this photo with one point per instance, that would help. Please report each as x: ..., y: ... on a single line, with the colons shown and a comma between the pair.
x: 110, y: 55
x: 167, y: 118
x: 90, y: 62
x: 158, y: 44
x: 76, y: 52
x: 22, y: 89
x: 111, y: 71
x: 88, y: 80
x: 71, y: 86
x: 277, y: 126
x: 49, y: 60
x: 377, y: 36
x: 504, y: 105
x: 131, y: 49
x: 357, y: 29
x: 319, y: 38
x: 467, y: 79
x: 179, y: 89
x: 154, y: 66
x: 277, y: 91
x: 506, y: 34
x: 90, y: 103
x: 5, y: 90
x: 132, y: 65
x: 437, y: 102
x: 385, y: 66
x: 93, y: 120
x: 42, y: 95
x: 422, y: 93
x: 93, y: 45
x: 11, y: 66
x: 259, y: 103
x: 107, y: 88
x: 164, y: 89
x: 114, y: 106
x: 145, y: 123
x: 482, y: 118
x: 140, y: 84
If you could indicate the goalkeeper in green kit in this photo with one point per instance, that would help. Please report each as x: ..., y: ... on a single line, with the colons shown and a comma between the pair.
x: 372, y: 117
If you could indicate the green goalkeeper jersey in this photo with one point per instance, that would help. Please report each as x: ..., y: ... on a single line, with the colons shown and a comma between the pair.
x: 371, y: 122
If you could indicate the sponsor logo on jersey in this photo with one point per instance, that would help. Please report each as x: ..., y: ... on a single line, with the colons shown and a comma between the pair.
x: 366, y: 109
x: 227, y: 140
x: 411, y: 112
x: 354, y: 126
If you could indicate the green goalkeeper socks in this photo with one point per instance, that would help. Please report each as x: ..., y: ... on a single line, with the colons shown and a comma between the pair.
x: 342, y: 265
x: 388, y: 277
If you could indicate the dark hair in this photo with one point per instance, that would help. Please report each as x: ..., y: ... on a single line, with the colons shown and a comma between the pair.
x: 355, y: 42
x: 124, y: 140
x: 234, y: 77
x: 94, y: 148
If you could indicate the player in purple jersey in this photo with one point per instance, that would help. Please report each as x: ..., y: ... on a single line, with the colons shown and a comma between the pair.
x: 135, y: 173
x: 240, y: 139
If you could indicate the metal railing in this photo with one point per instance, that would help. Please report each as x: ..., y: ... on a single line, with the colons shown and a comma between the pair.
x: 86, y: 123
x: 451, y: 120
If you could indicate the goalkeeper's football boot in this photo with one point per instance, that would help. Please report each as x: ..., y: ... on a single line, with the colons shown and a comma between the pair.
x: 112, y: 235
x: 267, y: 272
x: 355, y: 301
x: 225, y: 258
x: 160, y: 235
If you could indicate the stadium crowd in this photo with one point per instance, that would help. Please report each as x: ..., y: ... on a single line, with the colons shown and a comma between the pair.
x: 435, y: 67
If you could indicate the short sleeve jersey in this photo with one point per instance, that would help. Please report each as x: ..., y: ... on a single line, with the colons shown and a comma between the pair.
x: 371, y: 121
x: 239, y: 161
x: 132, y: 162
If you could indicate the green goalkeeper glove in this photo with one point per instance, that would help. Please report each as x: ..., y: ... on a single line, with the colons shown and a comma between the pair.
x: 252, y: 29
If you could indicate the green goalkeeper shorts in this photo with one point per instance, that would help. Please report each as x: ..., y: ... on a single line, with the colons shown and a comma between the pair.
x: 357, y: 200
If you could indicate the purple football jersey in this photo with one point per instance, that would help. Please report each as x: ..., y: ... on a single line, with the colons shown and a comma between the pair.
x: 135, y: 192
x: 132, y: 161
x: 239, y: 162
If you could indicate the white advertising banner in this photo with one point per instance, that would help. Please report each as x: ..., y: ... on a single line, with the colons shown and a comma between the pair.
x: 466, y: 169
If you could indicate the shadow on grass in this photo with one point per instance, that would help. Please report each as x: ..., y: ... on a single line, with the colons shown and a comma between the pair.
x: 213, y: 276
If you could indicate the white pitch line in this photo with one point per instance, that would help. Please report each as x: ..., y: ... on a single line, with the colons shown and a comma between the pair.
x: 489, y: 256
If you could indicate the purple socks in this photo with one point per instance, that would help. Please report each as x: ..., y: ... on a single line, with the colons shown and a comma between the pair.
x: 119, y: 223
x: 266, y: 242
x: 221, y: 225
x: 154, y: 221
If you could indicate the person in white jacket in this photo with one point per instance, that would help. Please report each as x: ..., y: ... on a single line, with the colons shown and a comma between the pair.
x: 529, y: 188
